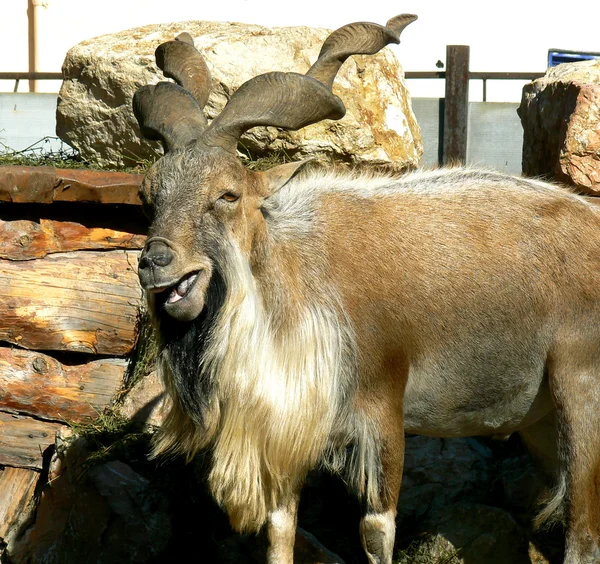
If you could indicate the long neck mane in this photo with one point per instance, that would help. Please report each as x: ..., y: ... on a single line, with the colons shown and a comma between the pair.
x: 261, y: 378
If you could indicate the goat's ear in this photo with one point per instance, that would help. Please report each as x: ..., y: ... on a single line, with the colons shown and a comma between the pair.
x: 277, y: 177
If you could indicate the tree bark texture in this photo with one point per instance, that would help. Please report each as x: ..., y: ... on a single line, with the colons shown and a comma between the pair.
x: 35, y: 384
x: 81, y: 301
x: 26, y: 240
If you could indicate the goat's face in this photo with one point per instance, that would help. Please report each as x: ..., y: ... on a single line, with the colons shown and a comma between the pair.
x: 199, y: 202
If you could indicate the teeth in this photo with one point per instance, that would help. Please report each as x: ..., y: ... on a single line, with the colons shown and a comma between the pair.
x: 173, y: 297
x: 181, y: 290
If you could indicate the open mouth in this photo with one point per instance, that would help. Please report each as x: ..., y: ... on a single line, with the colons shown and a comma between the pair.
x: 176, y: 292
x: 181, y: 289
x: 183, y: 298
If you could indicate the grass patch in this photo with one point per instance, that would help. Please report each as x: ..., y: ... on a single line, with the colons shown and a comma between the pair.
x: 143, y: 357
x: 427, y: 551
x: 41, y: 153
x: 110, y: 436
x: 259, y: 163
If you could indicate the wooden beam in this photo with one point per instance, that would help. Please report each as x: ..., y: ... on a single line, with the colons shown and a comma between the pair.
x: 456, y: 105
x: 35, y: 384
x: 23, y: 440
x: 17, y: 488
x: 84, y: 301
x: 45, y: 184
x: 25, y: 240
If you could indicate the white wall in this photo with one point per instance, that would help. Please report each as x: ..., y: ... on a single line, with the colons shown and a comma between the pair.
x: 504, y: 36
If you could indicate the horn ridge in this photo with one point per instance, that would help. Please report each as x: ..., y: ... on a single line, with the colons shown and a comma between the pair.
x: 167, y: 112
x: 360, y: 38
x: 185, y: 37
x: 398, y: 23
x: 282, y: 99
x: 181, y: 61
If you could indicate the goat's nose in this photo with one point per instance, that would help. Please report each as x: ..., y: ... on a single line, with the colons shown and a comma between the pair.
x: 156, y: 254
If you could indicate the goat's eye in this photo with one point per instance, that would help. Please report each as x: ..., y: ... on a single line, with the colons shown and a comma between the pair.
x: 230, y: 197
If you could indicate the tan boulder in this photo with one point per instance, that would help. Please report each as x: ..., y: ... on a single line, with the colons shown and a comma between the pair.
x: 560, y: 113
x: 101, y: 75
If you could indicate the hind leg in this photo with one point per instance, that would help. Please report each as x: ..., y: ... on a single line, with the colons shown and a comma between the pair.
x: 575, y: 385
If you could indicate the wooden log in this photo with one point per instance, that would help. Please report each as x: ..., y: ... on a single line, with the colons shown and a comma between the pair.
x: 23, y: 440
x: 103, y: 187
x: 17, y: 487
x: 22, y: 184
x: 25, y: 240
x: 35, y: 384
x: 81, y: 301
x: 456, y: 106
x: 44, y: 184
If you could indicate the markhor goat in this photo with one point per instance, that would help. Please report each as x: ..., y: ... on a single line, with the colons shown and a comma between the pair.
x: 312, y: 318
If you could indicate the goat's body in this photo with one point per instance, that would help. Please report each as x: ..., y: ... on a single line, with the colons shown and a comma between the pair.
x: 464, y: 292
x: 448, y: 303
x: 472, y: 278
x: 313, y: 318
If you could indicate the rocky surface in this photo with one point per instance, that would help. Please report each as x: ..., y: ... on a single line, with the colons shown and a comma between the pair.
x: 560, y: 113
x: 145, y: 403
x: 463, y: 501
x: 104, y: 512
x: 101, y: 75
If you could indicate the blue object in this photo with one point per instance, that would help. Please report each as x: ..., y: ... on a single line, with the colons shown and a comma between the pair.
x: 558, y: 56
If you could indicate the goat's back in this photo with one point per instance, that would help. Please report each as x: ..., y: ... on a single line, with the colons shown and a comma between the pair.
x: 468, y: 278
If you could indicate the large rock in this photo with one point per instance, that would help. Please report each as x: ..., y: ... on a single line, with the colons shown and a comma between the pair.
x: 439, y: 472
x: 560, y: 113
x: 101, y: 75
x: 146, y: 404
x: 480, y: 533
x: 93, y: 513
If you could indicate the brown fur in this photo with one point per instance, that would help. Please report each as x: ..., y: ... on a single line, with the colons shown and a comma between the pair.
x: 447, y: 303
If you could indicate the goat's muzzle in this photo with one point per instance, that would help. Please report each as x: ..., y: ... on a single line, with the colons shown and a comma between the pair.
x: 156, y: 253
x: 154, y: 262
x: 178, y: 286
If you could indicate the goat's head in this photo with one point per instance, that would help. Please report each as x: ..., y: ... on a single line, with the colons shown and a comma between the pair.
x: 199, y: 196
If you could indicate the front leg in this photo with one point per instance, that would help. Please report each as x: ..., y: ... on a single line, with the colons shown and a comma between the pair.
x: 378, y: 524
x: 289, y: 544
x: 378, y: 527
x: 281, y: 531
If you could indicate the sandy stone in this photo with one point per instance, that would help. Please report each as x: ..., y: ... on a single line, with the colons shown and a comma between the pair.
x: 146, y: 403
x: 101, y: 75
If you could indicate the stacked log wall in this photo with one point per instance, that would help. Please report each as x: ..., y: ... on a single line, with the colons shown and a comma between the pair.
x: 69, y: 307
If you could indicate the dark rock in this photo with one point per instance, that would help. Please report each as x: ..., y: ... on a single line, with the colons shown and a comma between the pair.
x: 560, y: 113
